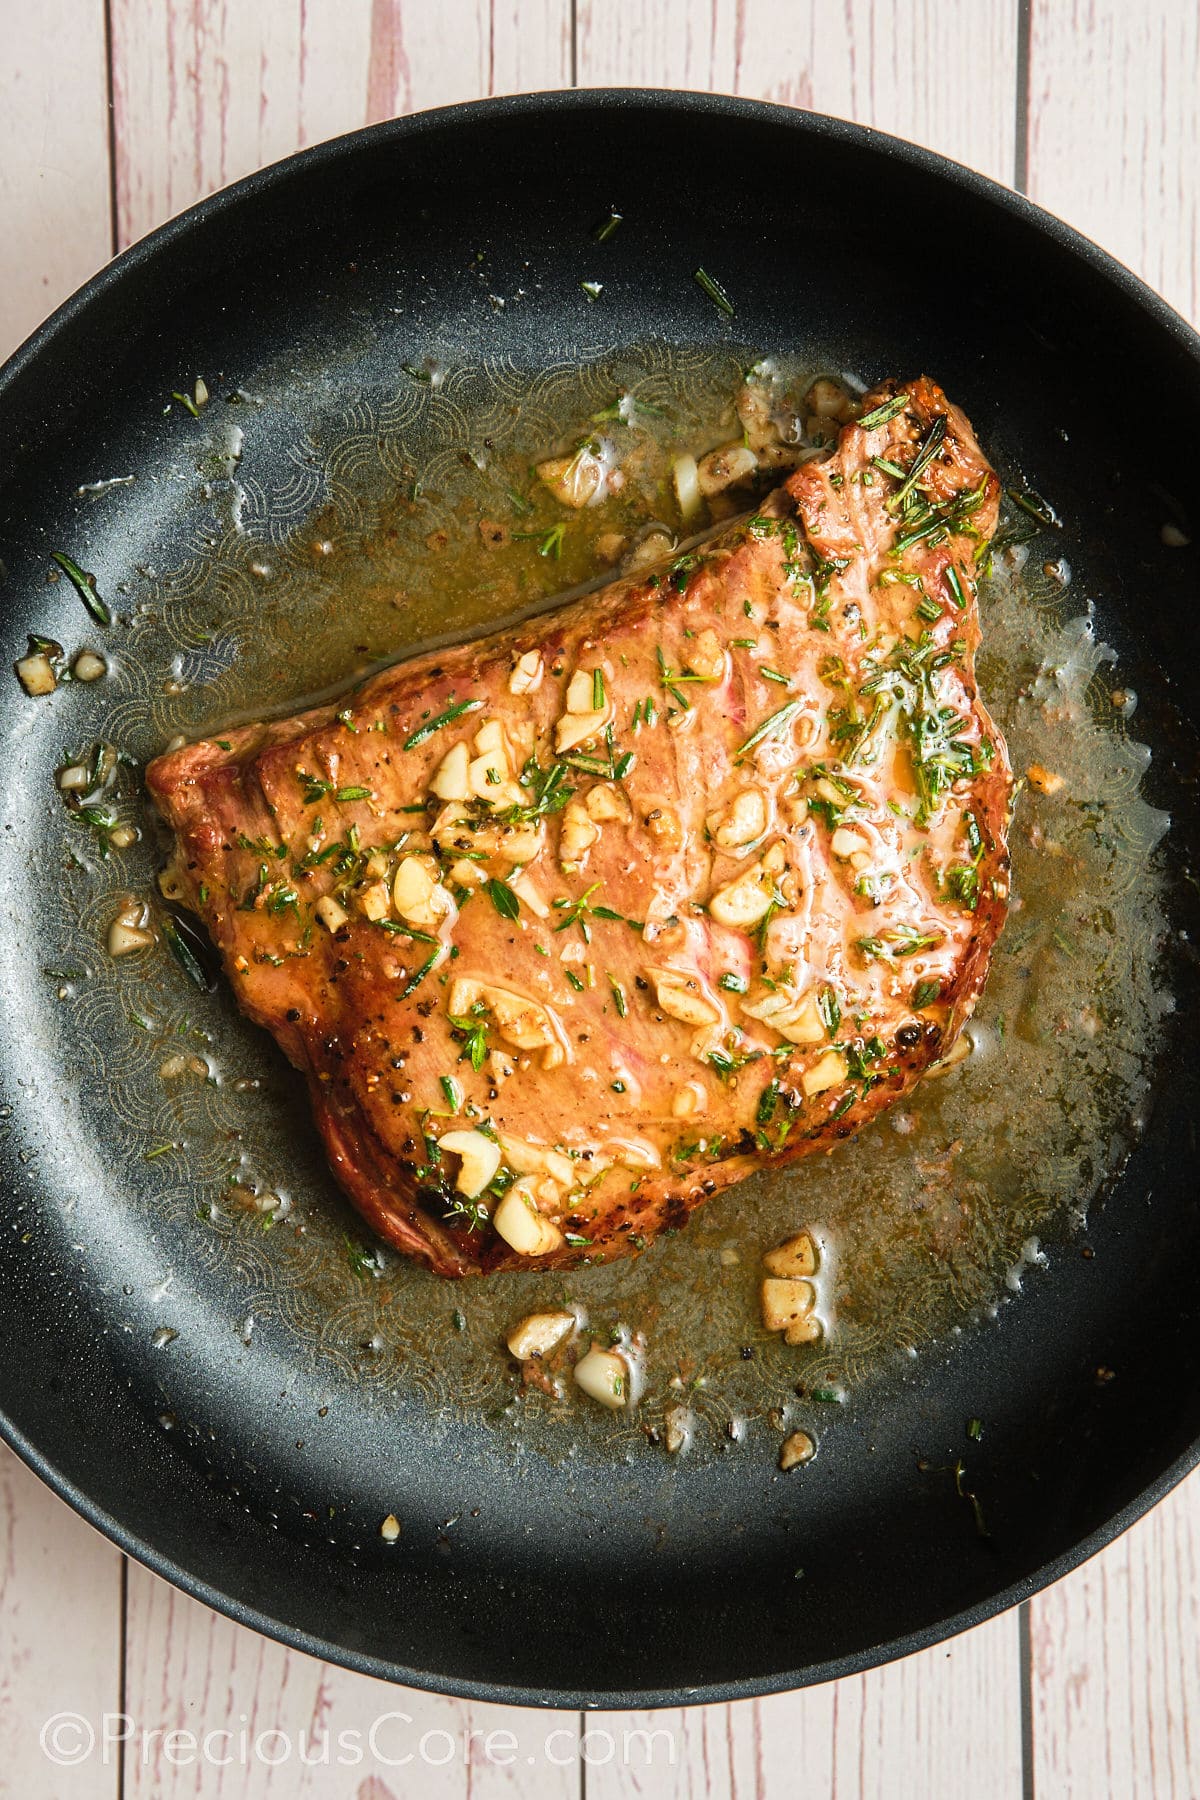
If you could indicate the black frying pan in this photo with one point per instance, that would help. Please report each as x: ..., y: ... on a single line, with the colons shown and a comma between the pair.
x: 570, y: 1580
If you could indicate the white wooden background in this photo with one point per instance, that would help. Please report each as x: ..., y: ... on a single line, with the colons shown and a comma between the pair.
x: 114, y: 114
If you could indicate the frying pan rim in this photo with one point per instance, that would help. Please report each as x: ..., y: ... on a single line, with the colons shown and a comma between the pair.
x: 159, y: 243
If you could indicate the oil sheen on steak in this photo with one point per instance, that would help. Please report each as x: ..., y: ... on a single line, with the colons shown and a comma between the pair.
x: 749, y: 813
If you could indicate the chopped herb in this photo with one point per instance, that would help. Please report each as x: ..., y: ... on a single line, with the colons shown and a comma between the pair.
x: 549, y: 543
x: 604, y: 230
x: 346, y: 718
x: 187, y: 403
x: 158, y: 1150
x: 942, y: 520
x: 452, y: 1091
x: 363, y: 1262
x: 928, y: 609
x: 928, y: 448
x: 880, y: 415
x: 829, y: 1396
x: 573, y: 1237
x: 744, y: 643
x: 770, y: 727
x: 430, y: 962
x: 593, y: 289
x: 471, y: 1213
x: 975, y: 1429
x: 502, y: 897
x: 899, y: 940
x: 766, y: 1102
x: 954, y: 583
x: 354, y: 793
x: 728, y: 1062
x: 423, y: 732
x: 774, y: 675
x: 618, y: 994
x: 472, y: 1033
x: 597, y: 690
x: 830, y: 1010
x: 573, y: 980
x: 962, y: 883
x: 580, y: 910
x: 941, y: 755
x: 184, y: 955
x: 966, y: 1493
x: 1034, y: 506
x: 886, y: 467
x: 925, y: 993
x: 714, y: 290
x: 550, y: 794
x: 733, y: 984
x: 624, y: 411
x: 84, y: 585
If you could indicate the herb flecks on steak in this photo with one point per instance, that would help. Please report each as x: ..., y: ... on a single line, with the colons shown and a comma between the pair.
x: 574, y: 925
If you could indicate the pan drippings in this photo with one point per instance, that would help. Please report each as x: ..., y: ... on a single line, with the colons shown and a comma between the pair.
x: 425, y: 508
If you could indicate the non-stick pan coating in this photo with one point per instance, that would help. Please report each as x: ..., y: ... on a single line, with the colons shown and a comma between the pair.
x: 569, y: 1582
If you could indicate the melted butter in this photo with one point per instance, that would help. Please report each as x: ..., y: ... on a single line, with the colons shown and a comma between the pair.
x: 927, y: 1216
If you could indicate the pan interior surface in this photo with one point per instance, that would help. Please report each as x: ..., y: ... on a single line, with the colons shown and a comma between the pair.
x: 249, y: 1443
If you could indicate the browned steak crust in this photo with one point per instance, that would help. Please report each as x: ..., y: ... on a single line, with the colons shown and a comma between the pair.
x: 749, y: 811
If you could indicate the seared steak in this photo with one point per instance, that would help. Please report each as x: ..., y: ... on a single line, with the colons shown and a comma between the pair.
x: 571, y: 927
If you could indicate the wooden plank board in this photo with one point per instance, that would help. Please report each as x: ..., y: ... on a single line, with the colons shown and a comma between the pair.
x: 1116, y: 1665
x: 301, y: 1729
x: 1114, y: 148
x: 55, y: 227
x: 866, y: 61
x: 899, y: 1731
x: 60, y: 1600
x: 204, y: 94
x: 1114, y: 134
x: 935, y: 71
x: 207, y: 92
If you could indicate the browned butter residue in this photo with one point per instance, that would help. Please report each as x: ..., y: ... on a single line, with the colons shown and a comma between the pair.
x: 927, y: 1218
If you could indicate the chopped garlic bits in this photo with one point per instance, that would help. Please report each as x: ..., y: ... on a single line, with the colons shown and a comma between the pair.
x: 479, y: 1159
x: 745, y: 902
x: 417, y: 894
x: 521, y: 1022
x: 742, y: 822
x: 588, y: 710
x: 527, y: 672
x: 521, y: 1225
x: 788, y: 1292
x: 131, y: 929
x: 794, y: 1016
x: 604, y: 1375
x: 539, y: 1334
x: 681, y: 995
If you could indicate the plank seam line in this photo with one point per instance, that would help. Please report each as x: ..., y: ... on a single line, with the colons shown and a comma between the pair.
x: 123, y: 1669
x: 1025, y: 1653
x: 111, y: 108
x: 1021, y: 132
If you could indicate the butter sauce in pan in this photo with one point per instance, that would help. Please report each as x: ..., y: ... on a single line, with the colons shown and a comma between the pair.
x: 933, y: 1211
